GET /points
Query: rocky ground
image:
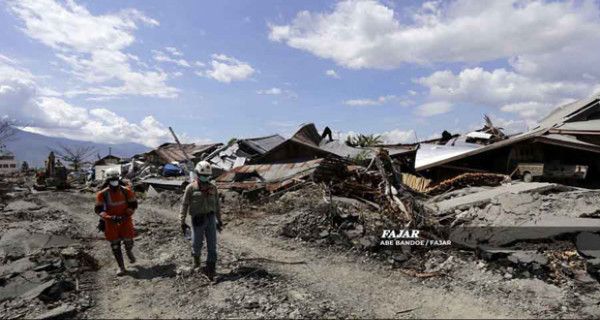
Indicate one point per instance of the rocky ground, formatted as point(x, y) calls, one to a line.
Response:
point(294, 257)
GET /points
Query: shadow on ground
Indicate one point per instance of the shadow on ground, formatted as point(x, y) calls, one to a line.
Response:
point(245, 272)
point(159, 271)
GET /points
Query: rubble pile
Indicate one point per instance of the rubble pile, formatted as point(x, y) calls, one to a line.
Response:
point(468, 179)
point(45, 270)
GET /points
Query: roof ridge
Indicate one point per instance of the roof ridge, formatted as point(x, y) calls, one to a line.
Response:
point(263, 137)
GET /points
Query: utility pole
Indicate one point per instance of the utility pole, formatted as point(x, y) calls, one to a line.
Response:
point(189, 162)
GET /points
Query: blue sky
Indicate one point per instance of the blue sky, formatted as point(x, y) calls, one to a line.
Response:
point(116, 71)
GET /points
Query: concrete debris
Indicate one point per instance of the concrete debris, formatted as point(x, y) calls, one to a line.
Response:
point(16, 243)
point(526, 258)
point(466, 180)
point(37, 291)
point(60, 312)
point(484, 197)
point(531, 235)
point(593, 267)
point(16, 267)
point(588, 244)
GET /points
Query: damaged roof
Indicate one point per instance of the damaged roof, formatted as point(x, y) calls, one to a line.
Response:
point(308, 134)
point(340, 148)
point(308, 144)
point(261, 145)
point(271, 176)
point(170, 152)
point(303, 145)
point(569, 112)
point(579, 117)
point(591, 127)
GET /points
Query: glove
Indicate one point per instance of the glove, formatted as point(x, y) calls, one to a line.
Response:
point(116, 219)
point(184, 228)
point(219, 225)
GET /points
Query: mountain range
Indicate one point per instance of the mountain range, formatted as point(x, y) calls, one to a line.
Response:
point(34, 148)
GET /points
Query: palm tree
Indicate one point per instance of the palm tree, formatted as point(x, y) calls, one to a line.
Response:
point(490, 128)
point(364, 140)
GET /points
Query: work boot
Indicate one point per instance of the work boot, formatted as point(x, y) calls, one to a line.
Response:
point(211, 268)
point(129, 250)
point(196, 262)
point(116, 249)
point(130, 256)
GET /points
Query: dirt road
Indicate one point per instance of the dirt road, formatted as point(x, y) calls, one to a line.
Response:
point(260, 275)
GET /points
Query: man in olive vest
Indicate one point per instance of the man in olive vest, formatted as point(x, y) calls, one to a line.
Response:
point(201, 202)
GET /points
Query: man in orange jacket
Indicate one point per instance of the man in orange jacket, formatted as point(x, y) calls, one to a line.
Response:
point(116, 204)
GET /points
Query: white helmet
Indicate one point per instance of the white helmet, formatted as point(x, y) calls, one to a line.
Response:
point(203, 168)
point(112, 174)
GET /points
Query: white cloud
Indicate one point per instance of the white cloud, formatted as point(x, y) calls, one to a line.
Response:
point(506, 90)
point(226, 69)
point(368, 34)
point(332, 74)
point(163, 57)
point(378, 101)
point(398, 136)
point(272, 91)
point(278, 92)
point(433, 108)
point(93, 46)
point(174, 51)
point(550, 48)
point(22, 100)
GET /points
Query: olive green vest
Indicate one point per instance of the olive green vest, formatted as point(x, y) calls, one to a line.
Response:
point(203, 202)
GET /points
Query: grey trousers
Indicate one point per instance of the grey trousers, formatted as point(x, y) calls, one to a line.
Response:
point(205, 227)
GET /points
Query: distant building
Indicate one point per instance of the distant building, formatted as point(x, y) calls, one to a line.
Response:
point(7, 162)
point(107, 160)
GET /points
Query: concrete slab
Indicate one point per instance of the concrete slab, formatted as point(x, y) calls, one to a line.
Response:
point(36, 291)
point(497, 236)
point(588, 244)
point(60, 312)
point(17, 243)
point(484, 197)
point(16, 267)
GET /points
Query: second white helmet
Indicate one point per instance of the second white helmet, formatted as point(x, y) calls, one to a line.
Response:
point(203, 168)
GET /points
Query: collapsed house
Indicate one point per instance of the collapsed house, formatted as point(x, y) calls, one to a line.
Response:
point(242, 151)
point(565, 145)
point(172, 152)
point(307, 144)
point(307, 156)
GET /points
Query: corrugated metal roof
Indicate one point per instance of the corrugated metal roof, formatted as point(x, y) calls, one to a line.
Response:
point(272, 176)
point(263, 144)
point(460, 154)
point(567, 111)
point(568, 141)
point(434, 153)
point(308, 134)
point(169, 152)
point(582, 127)
point(556, 119)
point(343, 150)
